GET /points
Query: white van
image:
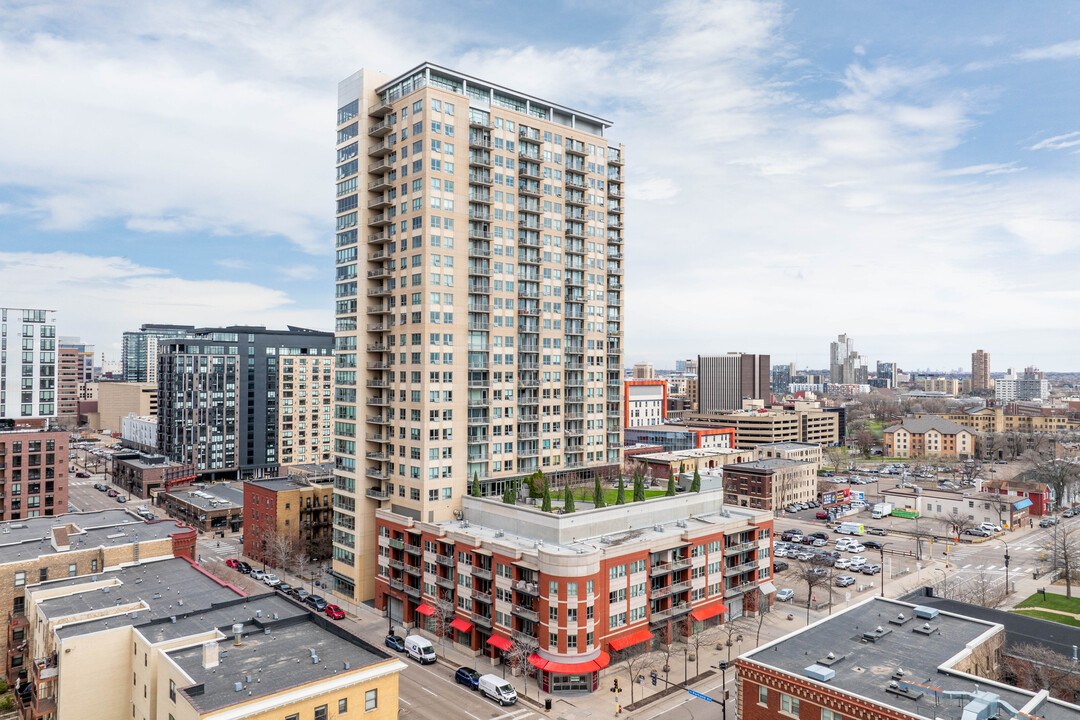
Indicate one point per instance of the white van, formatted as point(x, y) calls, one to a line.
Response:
point(851, 528)
point(497, 689)
point(420, 649)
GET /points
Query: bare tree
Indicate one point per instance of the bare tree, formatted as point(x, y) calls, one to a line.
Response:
point(1061, 475)
point(635, 662)
point(1066, 557)
point(813, 577)
point(955, 523)
point(865, 438)
point(444, 615)
point(698, 640)
point(520, 651)
point(1036, 667)
point(835, 455)
point(981, 589)
point(281, 549)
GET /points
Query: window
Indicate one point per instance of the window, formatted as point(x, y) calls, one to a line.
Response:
point(20, 579)
point(72, 570)
point(343, 706)
point(321, 713)
point(762, 695)
point(789, 704)
point(827, 714)
point(371, 700)
point(172, 690)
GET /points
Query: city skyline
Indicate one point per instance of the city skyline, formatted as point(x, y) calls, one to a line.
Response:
point(954, 144)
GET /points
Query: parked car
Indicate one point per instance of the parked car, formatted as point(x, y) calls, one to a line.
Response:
point(857, 562)
point(82, 474)
point(818, 571)
point(112, 493)
point(820, 535)
point(870, 569)
point(318, 602)
point(467, 676)
point(843, 564)
point(121, 499)
point(498, 689)
point(813, 503)
point(1048, 521)
point(419, 648)
point(301, 594)
point(844, 580)
point(820, 542)
point(991, 527)
point(285, 588)
point(395, 642)
point(243, 567)
point(258, 574)
point(271, 579)
point(1069, 513)
point(784, 594)
point(232, 562)
point(334, 612)
point(821, 515)
point(876, 531)
point(874, 544)
point(980, 532)
point(804, 556)
point(779, 566)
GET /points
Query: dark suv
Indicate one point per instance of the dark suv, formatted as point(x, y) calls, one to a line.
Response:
point(468, 676)
point(318, 602)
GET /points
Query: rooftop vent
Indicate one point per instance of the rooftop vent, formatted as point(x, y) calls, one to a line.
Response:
point(876, 634)
point(900, 619)
point(346, 664)
point(819, 673)
point(237, 687)
point(172, 619)
point(925, 629)
point(499, 533)
point(830, 659)
point(925, 612)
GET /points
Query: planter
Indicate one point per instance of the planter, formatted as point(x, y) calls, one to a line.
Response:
point(667, 669)
point(691, 657)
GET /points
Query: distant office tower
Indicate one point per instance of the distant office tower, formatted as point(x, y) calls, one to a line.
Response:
point(85, 357)
point(782, 377)
point(887, 371)
point(479, 298)
point(645, 401)
point(846, 367)
point(228, 402)
point(1029, 386)
point(28, 387)
point(680, 366)
point(140, 350)
point(644, 371)
point(725, 380)
point(980, 372)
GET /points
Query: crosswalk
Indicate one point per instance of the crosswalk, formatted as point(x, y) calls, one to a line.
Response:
point(972, 568)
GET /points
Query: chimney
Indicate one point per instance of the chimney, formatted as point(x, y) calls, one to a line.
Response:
point(210, 655)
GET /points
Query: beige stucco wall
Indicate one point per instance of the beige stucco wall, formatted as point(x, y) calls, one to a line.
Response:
point(95, 682)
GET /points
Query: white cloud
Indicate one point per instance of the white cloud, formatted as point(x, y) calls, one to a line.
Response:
point(1058, 142)
point(1068, 50)
point(98, 297)
point(304, 272)
point(984, 169)
point(233, 263)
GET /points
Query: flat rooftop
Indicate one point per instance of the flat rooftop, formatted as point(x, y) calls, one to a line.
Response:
point(676, 455)
point(278, 484)
point(768, 464)
point(865, 669)
point(218, 496)
point(789, 445)
point(23, 540)
point(276, 661)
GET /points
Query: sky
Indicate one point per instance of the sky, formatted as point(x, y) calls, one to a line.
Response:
point(905, 173)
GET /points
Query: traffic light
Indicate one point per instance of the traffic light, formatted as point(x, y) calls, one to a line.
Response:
point(653, 677)
point(615, 686)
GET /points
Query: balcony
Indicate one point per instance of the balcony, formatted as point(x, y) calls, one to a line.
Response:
point(381, 128)
point(667, 567)
point(527, 588)
point(380, 149)
point(615, 157)
point(383, 201)
point(412, 549)
point(376, 474)
point(445, 560)
point(446, 583)
point(379, 494)
point(379, 184)
point(378, 238)
point(531, 189)
point(477, 121)
point(575, 147)
point(397, 584)
point(381, 165)
point(377, 366)
point(480, 178)
point(480, 270)
point(481, 596)
point(481, 620)
point(413, 570)
point(480, 288)
point(673, 611)
point(378, 420)
point(524, 612)
point(482, 573)
point(479, 143)
point(478, 233)
point(480, 159)
point(397, 564)
point(477, 196)
point(741, 547)
point(523, 637)
point(739, 589)
point(671, 589)
point(413, 592)
point(480, 402)
point(378, 273)
point(380, 109)
point(379, 220)
point(740, 569)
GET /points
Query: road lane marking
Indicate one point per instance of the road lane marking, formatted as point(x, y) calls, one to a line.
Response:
point(966, 566)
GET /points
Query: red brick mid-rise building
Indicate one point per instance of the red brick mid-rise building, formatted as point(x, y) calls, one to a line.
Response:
point(888, 659)
point(572, 589)
point(33, 473)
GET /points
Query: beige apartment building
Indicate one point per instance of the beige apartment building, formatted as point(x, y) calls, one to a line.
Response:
point(479, 298)
point(117, 400)
point(995, 420)
point(305, 386)
point(761, 427)
point(193, 647)
point(67, 386)
point(949, 386)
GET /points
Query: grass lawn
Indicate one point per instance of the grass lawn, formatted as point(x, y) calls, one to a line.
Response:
point(1052, 602)
point(1052, 617)
point(877, 428)
point(585, 494)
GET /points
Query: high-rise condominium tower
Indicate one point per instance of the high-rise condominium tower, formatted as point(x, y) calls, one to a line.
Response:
point(479, 298)
point(980, 372)
point(725, 380)
point(28, 388)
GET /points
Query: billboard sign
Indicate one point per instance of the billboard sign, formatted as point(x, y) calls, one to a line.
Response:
point(835, 497)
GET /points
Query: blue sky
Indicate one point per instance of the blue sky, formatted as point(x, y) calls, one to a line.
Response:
point(902, 172)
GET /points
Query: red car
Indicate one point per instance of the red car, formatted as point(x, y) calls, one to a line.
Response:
point(232, 562)
point(822, 515)
point(335, 612)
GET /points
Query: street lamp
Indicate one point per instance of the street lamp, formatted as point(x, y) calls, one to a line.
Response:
point(723, 688)
point(1006, 565)
point(882, 551)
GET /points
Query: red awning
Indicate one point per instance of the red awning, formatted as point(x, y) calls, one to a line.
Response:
point(462, 625)
point(600, 662)
point(706, 613)
point(632, 639)
point(500, 642)
point(425, 609)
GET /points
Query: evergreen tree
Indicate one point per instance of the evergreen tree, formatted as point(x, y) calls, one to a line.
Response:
point(508, 495)
point(546, 504)
point(476, 484)
point(598, 494)
point(695, 486)
point(670, 483)
point(639, 488)
point(568, 499)
point(620, 498)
